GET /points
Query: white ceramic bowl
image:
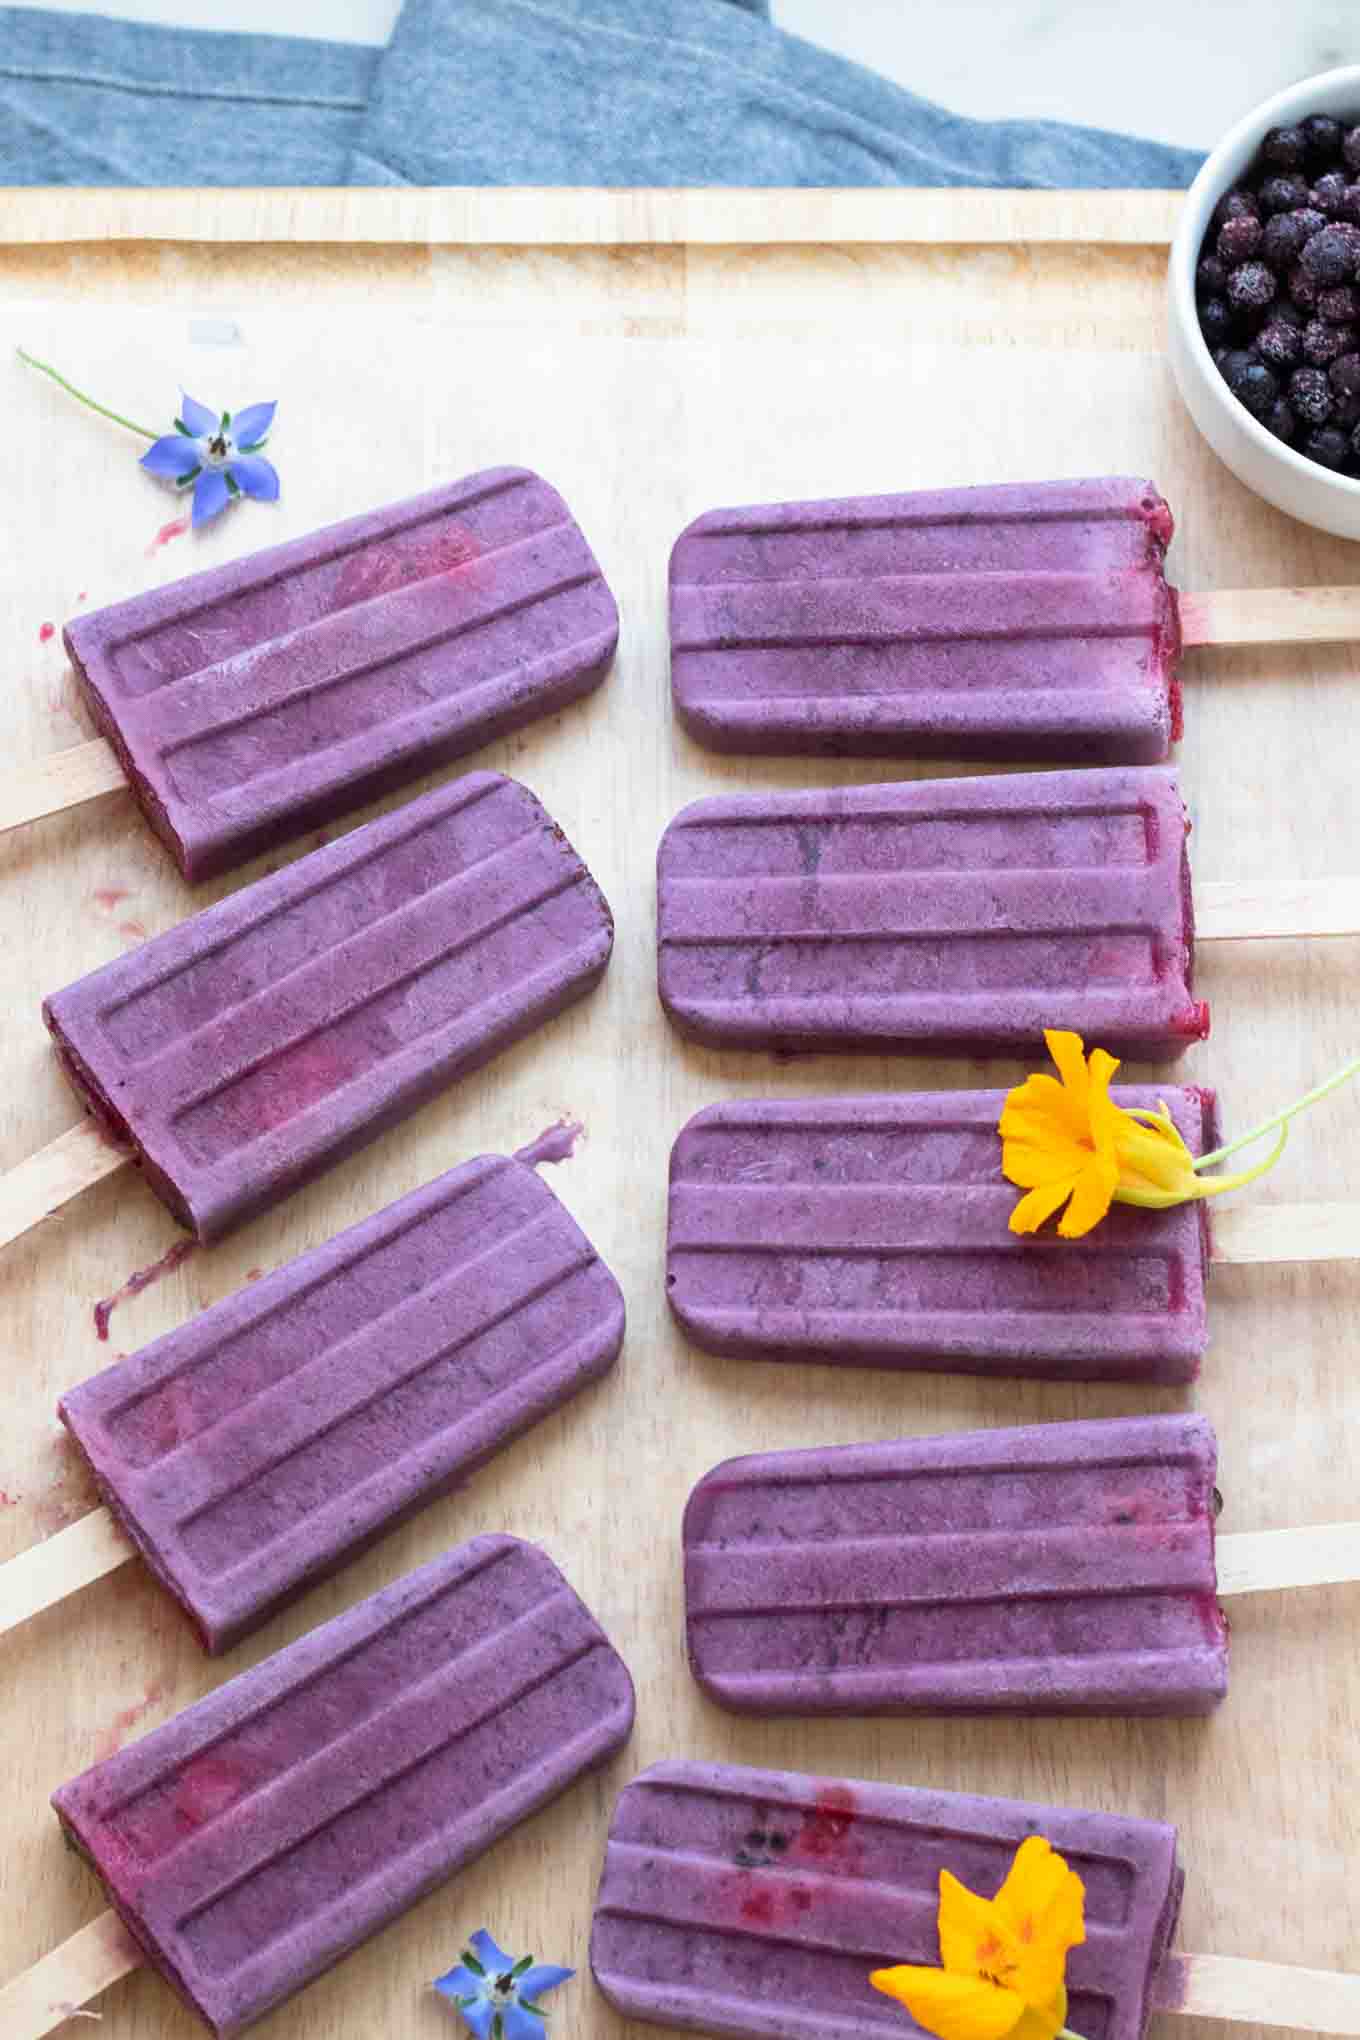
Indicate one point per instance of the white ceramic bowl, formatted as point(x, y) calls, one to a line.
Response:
point(1285, 478)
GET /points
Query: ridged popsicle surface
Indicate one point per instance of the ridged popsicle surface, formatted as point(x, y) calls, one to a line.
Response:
point(1019, 622)
point(874, 1231)
point(960, 916)
point(1050, 1569)
point(280, 691)
point(255, 1450)
point(271, 1035)
point(755, 1904)
point(274, 1826)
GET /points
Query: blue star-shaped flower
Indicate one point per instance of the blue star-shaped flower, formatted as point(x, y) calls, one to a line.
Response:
point(220, 455)
point(497, 1995)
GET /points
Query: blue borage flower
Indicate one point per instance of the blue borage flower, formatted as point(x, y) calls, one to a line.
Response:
point(497, 1995)
point(220, 456)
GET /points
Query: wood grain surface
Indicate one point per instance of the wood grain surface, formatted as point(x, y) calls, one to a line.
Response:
point(650, 383)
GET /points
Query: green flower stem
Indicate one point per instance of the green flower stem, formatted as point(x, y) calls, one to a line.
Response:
point(1333, 1083)
point(45, 368)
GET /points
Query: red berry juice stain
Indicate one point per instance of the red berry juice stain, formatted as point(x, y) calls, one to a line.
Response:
point(380, 569)
point(140, 1279)
point(83, 596)
point(46, 634)
point(556, 1143)
point(176, 528)
point(134, 931)
point(830, 1821)
point(7, 1500)
point(123, 1723)
point(254, 1274)
point(110, 896)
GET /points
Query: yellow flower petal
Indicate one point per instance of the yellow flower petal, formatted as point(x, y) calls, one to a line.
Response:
point(1041, 1203)
point(1042, 2022)
point(1042, 1904)
point(1066, 1051)
point(975, 1939)
point(954, 2007)
point(1092, 1197)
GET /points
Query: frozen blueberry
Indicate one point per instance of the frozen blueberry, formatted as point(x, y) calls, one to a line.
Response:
point(1251, 286)
point(1328, 193)
point(1322, 342)
point(1350, 149)
point(1328, 446)
point(1239, 203)
point(1290, 314)
point(1216, 322)
point(1282, 238)
point(1310, 396)
point(1328, 256)
point(1302, 288)
point(1276, 343)
point(1239, 239)
point(1211, 278)
point(1282, 194)
point(1285, 146)
point(1339, 303)
point(1322, 134)
point(1251, 382)
point(1346, 413)
point(1344, 375)
point(1350, 204)
point(1280, 420)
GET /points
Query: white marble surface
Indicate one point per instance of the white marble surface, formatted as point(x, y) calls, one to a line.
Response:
point(1179, 70)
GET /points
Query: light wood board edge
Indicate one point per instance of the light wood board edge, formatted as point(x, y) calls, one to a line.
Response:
point(569, 217)
point(1243, 1234)
point(49, 1993)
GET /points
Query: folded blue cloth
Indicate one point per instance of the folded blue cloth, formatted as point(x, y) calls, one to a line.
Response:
point(611, 92)
point(86, 100)
point(687, 92)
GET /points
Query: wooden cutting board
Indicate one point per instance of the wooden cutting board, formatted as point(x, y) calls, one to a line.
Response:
point(654, 355)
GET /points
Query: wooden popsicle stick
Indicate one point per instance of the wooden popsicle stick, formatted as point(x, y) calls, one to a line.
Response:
point(1241, 1234)
point(57, 1173)
point(1258, 1993)
point(1259, 1561)
point(67, 779)
point(76, 1556)
point(1271, 909)
point(49, 1993)
point(1271, 616)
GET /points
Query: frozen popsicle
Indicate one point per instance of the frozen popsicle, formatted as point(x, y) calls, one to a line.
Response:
point(1029, 621)
point(874, 1231)
point(755, 1904)
point(257, 1449)
point(267, 696)
point(1053, 1569)
point(268, 1830)
point(245, 1051)
point(954, 916)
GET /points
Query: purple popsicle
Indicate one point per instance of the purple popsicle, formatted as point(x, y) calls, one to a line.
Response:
point(1051, 1569)
point(275, 1033)
point(949, 916)
point(257, 1449)
point(874, 1231)
point(755, 1904)
point(1028, 621)
point(280, 691)
point(271, 1828)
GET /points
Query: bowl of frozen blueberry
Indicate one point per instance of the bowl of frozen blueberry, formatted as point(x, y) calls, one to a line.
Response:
point(1264, 323)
